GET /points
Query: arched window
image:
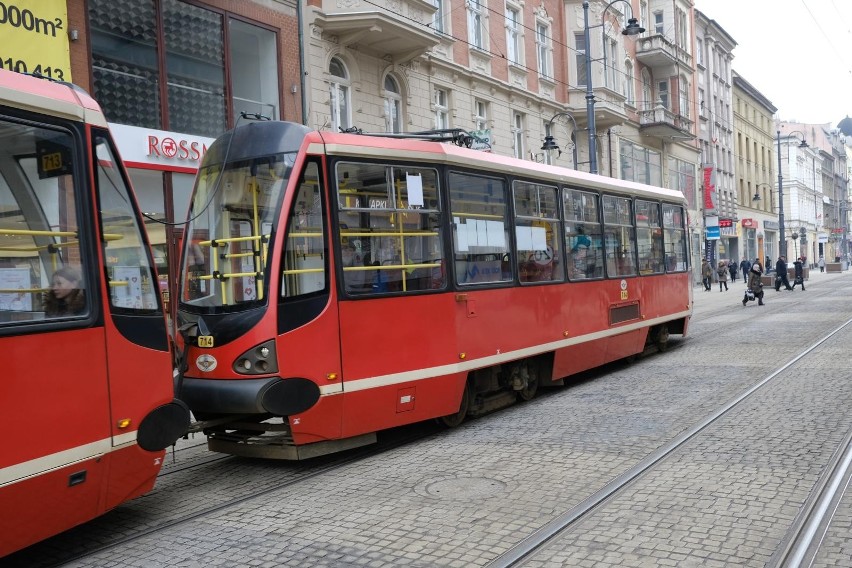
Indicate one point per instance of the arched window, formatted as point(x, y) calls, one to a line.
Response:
point(393, 105)
point(684, 96)
point(338, 95)
point(629, 78)
point(647, 92)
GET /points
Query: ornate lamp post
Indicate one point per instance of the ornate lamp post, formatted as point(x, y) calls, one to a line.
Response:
point(633, 28)
point(550, 144)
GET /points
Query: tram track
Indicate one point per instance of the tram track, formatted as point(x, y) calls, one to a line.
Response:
point(802, 539)
point(307, 472)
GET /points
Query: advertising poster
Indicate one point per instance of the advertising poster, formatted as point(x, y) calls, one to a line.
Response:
point(15, 279)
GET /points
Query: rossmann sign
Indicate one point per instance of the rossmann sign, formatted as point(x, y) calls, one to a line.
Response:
point(149, 149)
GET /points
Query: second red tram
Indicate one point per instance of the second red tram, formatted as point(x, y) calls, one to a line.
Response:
point(86, 394)
point(335, 284)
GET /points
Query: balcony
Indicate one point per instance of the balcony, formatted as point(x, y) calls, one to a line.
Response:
point(663, 123)
point(609, 107)
point(399, 33)
point(662, 55)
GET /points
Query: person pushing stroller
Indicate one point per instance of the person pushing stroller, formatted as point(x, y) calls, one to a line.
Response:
point(755, 285)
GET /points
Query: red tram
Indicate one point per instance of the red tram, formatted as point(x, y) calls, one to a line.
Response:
point(86, 391)
point(334, 285)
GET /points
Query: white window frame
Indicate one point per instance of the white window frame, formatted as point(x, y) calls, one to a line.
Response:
point(442, 108)
point(629, 80)
point(476, 20)
point(659, 23)
point(544, 49)
point(514, 36)
point(340, 103)
point(580, 58)
point(663, 93)
point(518, 134)
point(393, 104)
point(439, 17)
point(480, 119)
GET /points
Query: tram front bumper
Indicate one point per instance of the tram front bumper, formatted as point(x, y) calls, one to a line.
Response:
point(270, 395)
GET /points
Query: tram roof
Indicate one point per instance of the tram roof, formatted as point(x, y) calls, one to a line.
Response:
point(44, 96)
point(356, 145)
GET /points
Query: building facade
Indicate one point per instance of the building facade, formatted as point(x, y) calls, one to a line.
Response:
point(756, 172)
point(714, 53)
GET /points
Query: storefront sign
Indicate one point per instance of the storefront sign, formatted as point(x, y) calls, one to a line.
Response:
point(726, 223)
point(749, 224)
point(712, 233)
point(35, 38)
point(160, 150)
point(709, 172)
point(772, 225)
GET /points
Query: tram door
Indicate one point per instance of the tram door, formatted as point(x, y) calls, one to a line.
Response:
point(53, 388)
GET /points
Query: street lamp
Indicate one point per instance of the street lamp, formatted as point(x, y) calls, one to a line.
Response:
point(633, 28)
point(782, 243)
point(550, 144)
point(756, 196)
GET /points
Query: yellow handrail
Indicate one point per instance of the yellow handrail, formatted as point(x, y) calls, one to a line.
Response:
point(30, 233)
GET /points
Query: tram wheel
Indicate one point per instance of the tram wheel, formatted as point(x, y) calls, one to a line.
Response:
point(453, 420)
point(529, 391)
point(662, 338)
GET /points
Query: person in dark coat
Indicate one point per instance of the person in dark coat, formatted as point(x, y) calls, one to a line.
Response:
point(745, 266)
point(799, 273)
point(754, 283)
point(781, 274)
point(732, 268)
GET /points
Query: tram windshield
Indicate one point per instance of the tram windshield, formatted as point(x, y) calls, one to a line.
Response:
point(227, 240)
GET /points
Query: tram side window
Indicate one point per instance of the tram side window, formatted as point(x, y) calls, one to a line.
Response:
point(41, 265)
point(649, 237)
point(619, 237)
point(676, 257)
point(132, 285)
point(480, 229)
point(305, 250)
point(583, 234)
point(390, 228)
point(537, 233)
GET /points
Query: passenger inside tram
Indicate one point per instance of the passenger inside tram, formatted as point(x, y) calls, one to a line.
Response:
point(65, 296)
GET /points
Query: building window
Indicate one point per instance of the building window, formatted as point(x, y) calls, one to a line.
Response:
point(542, 40)
point(438, 18)
point(699, 51)
point(254, 69)
point(647, 91)
point(682, 29)
point(629, 78)
point(481, 119)
point(442, 109)
point(643, 15)
point(518, 134)
point(339, 95)
point(393, 105)
point(640, 164)
point(663, 93)
point(476, 23)
point(127, 75)
point(682, 178)
point(658, 23)
point(612, 75)
point(513, 35)
point(580, 59)
point(683, 91)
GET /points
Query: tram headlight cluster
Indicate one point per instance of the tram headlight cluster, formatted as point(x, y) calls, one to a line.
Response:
point(258, 360)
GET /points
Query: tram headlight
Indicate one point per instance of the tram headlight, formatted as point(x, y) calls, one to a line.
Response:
point(258, 360)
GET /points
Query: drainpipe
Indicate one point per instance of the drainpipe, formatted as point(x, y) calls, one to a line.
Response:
point(609, 145)
point(302, 72)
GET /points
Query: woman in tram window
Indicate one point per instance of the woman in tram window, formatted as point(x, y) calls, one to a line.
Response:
point(66, 296)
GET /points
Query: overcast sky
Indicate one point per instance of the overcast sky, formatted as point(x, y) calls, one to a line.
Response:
point(798, 53)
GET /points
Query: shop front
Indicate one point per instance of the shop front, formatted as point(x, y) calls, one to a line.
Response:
point(162, 167)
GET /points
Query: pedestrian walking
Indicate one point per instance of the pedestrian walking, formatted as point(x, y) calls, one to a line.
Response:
point(755, 285)
point(781, 274)
point(799, 273)
point(821, 263)
point(722, 271)
point(745, 266)
point(706, 274)
point(732, 268)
